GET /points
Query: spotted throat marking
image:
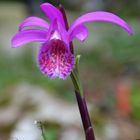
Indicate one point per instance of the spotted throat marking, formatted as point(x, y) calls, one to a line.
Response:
point(56, 59)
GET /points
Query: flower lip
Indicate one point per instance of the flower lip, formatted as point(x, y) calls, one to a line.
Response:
point(56, 59)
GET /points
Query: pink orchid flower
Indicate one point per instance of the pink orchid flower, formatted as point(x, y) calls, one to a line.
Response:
point(55, 57)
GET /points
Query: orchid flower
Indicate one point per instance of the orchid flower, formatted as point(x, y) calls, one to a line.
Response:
point(55, 58)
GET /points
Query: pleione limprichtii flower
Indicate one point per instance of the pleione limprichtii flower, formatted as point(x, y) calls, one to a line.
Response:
point(55, 58)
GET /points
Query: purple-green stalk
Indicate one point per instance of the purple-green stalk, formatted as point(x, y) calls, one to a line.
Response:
point(89, 132)
point(88, 129)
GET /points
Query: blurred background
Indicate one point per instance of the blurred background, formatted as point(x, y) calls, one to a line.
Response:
point(109, 68)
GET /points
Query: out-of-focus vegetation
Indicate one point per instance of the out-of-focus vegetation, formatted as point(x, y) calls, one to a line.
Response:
point(128, 8)
point(113, 57)
point(24, 69)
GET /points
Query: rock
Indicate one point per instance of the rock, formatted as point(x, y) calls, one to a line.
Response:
point(48, 107)
point(33, 103)
point(25, 130)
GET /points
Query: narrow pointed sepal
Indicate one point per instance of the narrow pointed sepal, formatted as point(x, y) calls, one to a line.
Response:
point(99, 16)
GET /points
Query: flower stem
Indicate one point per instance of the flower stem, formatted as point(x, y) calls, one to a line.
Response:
point(42, 130)
point(88, 129)
point(62, 10)
point(89, 133)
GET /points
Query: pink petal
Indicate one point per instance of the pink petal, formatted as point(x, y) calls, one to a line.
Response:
point(27, 36)
point(63, 32)
point(53, 27)
point(102, 17)
point(80, 33)
point(56, 26)
point(56, 59)
point(52, 12)
point(34, 21)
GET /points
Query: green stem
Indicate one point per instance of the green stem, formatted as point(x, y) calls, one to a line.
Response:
point(88, 129)
point(76, 78)
point(42, 130)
